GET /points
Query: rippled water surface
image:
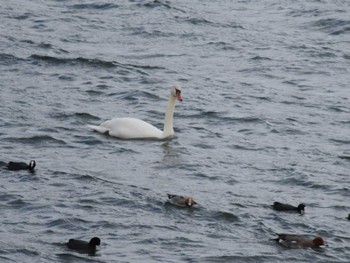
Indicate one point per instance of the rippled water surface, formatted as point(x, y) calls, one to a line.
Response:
point(265, 117)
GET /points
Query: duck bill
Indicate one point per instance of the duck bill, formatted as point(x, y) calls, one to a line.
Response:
point(191, 203)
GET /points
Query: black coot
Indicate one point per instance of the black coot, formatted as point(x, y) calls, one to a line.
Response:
point(84, 246)
point(16, 166)
point(286, 207)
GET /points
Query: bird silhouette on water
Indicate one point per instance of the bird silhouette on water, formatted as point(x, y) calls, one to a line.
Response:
point(299, 241)
point(84, 246)
point(17, 166)
point(288, 208)
point(182, 201)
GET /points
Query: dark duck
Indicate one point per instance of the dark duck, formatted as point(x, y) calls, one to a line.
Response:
point(84, 246)
point(17, 166)
point(288, 208)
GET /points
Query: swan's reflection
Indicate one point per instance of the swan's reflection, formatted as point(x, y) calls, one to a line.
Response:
point(172, 155)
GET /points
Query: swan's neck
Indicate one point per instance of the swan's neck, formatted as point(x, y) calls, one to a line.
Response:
point(168, 129)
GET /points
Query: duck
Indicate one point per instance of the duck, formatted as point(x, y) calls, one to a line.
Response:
point(300, 241)
point(16, 166)
point(287, 207)
point(84, 246)
point(132, 128)
point(348, 217)
point(181, 201)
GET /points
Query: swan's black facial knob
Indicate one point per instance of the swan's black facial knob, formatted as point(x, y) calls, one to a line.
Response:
point(178, 95)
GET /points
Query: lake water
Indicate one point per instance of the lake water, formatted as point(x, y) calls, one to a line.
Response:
point(265, 117)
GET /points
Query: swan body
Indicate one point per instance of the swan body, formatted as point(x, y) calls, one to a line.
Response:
point(132, 128)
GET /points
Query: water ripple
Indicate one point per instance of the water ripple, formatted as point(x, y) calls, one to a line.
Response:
point(96, 63)
point(264, 118)
point(36, 140)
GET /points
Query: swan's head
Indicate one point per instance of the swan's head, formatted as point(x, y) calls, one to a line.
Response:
point(176, 92)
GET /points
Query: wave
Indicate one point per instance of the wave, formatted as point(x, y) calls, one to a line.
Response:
point(339, 141)
point(97, 6)
point(246, 148)
point(156, 3)
point(225, 216)
point(160, 4)
point(96, 63)
point(38, 139)
point(333, 26)
point(83, 116)
point(346, 157)
point(241, 258)
point(198, 21)
point(8, 59)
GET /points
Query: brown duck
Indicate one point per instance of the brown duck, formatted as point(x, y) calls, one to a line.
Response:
point(300, 241)
point(182, 201)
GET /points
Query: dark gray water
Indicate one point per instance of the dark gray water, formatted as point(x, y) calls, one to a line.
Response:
point(265, 118)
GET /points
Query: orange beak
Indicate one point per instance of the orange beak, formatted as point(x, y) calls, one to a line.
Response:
point(178, 95)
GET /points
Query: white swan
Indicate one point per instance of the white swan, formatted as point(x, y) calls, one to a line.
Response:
point(131, 128)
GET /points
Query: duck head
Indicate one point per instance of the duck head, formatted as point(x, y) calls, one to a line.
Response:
point(190, 201)
point(301, 208)
point(319, 241)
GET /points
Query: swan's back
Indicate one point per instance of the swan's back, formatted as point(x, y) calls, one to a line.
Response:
point(131, 128)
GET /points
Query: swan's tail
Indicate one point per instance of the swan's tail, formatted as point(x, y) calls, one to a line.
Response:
point(99, 128)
